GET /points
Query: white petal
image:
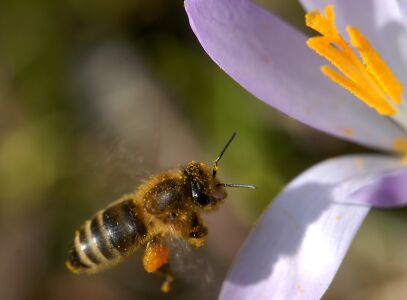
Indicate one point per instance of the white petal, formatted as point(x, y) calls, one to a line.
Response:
point(298, 245)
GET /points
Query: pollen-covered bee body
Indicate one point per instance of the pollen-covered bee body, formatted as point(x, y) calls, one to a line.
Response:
point(162, 192)
point(168, 204)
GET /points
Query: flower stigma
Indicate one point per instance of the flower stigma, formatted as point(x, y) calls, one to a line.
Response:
point(366, 75)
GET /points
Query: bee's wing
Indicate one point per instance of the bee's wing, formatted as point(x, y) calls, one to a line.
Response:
point(187, 262)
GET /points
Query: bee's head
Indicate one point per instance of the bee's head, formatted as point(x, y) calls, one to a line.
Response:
point(206, 190)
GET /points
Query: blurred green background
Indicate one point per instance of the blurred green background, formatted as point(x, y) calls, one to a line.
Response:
point(95, 96)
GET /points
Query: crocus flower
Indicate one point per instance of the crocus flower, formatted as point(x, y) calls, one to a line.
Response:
point(300, 241)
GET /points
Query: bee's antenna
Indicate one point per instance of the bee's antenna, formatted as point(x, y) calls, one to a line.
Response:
point(215, 163)
point(247, 186)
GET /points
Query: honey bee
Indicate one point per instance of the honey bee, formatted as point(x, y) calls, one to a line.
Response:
point(169, 204)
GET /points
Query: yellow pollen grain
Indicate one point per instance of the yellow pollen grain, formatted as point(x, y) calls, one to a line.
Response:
point(360, 163)
point(348, 132)
point(400, 145)
point(368, 78)
point(300, 289)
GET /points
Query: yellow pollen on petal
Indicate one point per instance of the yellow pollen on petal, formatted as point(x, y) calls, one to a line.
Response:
point(368, 77)
point(346, 131)
point(400, 145)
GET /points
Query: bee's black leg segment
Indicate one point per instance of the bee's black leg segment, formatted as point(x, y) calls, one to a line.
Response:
point(198, 229)
point(166, 271)
point(197, 236)
point(198, 232)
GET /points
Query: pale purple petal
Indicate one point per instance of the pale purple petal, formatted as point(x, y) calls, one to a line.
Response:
point(271, 60)
point(403, 8)
point(300, 241)
point(387, 191)
point(381, 21)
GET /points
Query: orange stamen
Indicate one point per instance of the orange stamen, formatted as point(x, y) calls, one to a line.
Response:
point(368, 78)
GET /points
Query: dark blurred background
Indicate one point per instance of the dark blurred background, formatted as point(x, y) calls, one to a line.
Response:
point(95, 96)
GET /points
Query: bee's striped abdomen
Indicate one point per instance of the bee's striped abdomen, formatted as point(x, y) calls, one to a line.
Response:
point(107, 238)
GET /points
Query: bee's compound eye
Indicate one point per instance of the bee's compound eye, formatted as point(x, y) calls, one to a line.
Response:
point(203, 199)
point(200, 197)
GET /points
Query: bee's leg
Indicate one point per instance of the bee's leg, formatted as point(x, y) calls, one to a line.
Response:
point(166, 271)
point(156, 259)
point(198, 233)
